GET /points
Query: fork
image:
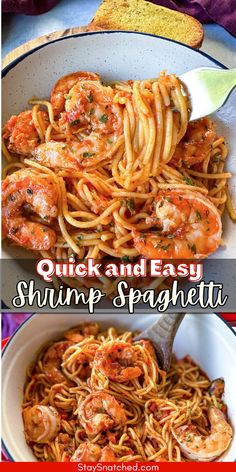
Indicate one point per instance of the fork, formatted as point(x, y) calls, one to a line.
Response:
point(208, 88)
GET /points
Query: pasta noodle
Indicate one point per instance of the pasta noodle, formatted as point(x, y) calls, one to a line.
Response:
point(72, 373)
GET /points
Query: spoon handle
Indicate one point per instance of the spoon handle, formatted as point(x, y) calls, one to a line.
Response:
point(162, 334)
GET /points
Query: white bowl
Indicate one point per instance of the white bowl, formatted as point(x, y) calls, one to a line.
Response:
point(207, 338)
point(114, 55)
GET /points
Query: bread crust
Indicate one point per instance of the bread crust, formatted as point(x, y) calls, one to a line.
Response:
point(134, 15)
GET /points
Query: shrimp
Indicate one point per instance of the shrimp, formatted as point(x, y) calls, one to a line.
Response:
point(107, 455)
point(25, 193)
point(196, 143)
point(188, 226)
point(52, 361)
point(116, 360)
point(205, 448)
point(217, 388)
point(42, 423)
point(78, 333)
point(21, 134)
point(89, 452)
point(90, 105)
point(64, 84)
point(101, 412)
point(75, 155)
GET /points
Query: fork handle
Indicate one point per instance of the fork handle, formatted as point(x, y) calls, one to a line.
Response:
point(162, 334)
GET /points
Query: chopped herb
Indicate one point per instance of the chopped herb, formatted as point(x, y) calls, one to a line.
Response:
point(29, 191)
point(75, 122)
point(110, 141)
point(91, 112)
point(80, 237)
point(130, 205)
point(45, 230)
point(103, 118)
point(88, 154)
point(170, 236)
point(125, 259)
point(83, 86)
point(90, 97)
point(165, 247)
point(72, 150)
point(198, 214)
point(192, 248)
point(68, 97)
point(188, 181)
point(11, 198)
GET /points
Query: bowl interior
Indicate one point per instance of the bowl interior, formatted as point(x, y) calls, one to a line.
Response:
point(206, 338)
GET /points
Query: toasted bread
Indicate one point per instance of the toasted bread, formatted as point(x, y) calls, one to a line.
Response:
point(143, 16)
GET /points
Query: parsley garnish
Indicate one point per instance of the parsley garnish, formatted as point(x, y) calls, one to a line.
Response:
point(75, 122)
point(88, 154)
point(192, 248)
point(91, 112)
point(130, 205)
point(188, 181)
point(125, 259)
point(198, 214)
point(103, 118)
point(29, 191)
point(90, 97)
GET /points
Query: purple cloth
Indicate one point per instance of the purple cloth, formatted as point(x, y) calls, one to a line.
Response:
point(11, 321)
point(28, 7)
point(222, 12)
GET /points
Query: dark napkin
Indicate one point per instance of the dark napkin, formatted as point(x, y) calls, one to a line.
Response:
point(11, 321)
point(222, 12)
point(28, 7)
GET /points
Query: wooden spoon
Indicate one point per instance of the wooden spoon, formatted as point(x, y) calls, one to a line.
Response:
point(162, 334)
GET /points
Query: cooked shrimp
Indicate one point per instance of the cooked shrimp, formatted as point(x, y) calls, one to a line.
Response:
point(64, 84)
point(52, 361)
point(86, 452)
point(117, 361)
point(107, 455)
point(74, 155)
point(42, 423)
point(101, 412)
point(25, 193)
point(217, 388)
point(205, 448)
point(196, 143)
point(89, 452)
point(21, 134)
point(78, 333)
point(91, 105)
point(187, 224)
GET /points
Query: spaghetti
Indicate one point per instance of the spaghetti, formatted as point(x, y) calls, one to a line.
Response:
point(99, 395)
point(117, 155)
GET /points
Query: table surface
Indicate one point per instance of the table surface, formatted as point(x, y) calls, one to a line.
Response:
point(18, 29)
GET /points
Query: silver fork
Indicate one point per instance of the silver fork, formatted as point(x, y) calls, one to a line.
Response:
point(209, 88)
